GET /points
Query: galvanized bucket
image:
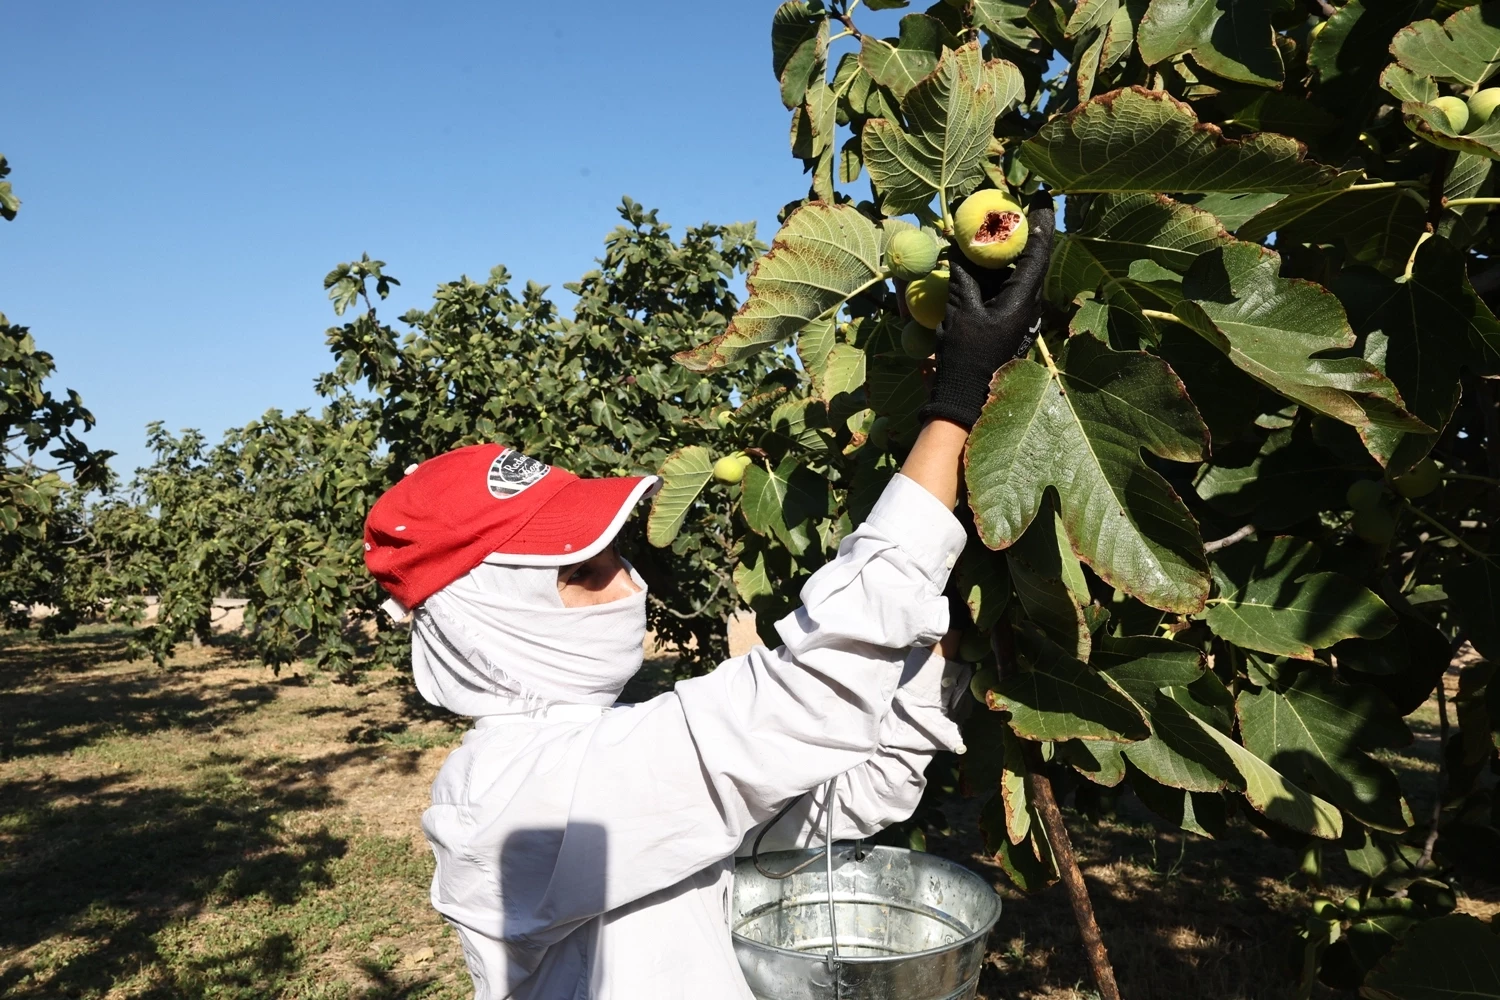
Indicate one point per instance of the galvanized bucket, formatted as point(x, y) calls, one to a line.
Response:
point(910, 926)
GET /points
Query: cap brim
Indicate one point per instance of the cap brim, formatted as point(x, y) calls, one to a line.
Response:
point(577, 523)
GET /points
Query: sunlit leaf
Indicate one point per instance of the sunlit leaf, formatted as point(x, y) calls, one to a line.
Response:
point(684, 474)
point(822, 257)
point(1081, 431)
point(1137, 140)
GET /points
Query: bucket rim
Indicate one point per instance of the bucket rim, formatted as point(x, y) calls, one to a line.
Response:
point(979, 932)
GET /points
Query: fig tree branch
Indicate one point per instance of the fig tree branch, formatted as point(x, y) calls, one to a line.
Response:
point(1238, 535)
point(1422, 515)
point(1442, 701)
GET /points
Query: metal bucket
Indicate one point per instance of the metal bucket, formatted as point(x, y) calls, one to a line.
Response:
point(911, 926)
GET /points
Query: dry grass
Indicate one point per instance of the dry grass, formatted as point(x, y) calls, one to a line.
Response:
point(213, 831)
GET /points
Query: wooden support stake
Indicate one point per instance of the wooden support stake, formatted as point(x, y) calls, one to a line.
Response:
point(1040, 788)
point(1072, 877)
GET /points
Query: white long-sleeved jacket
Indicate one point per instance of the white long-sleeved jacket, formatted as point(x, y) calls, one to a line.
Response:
point(587, 853)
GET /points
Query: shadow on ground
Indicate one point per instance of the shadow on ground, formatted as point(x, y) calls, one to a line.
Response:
point(53, 700)
point(123, 883)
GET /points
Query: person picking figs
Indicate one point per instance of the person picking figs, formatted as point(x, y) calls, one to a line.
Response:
point(584, 848)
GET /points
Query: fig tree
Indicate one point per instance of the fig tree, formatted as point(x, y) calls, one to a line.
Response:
point(918, 341)
point(927, 299)
point(1420, 480)
point(990, 228)
point(1455, 110)
point(1482, 104)
point(911, 254)
point(728, 470)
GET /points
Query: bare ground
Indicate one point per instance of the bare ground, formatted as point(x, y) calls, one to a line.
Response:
point(212, 830)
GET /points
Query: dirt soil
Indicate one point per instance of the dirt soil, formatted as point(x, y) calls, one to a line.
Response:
point(212, 830)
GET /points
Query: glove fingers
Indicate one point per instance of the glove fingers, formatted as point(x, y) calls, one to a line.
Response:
point(1024, 285)
point(964, 293)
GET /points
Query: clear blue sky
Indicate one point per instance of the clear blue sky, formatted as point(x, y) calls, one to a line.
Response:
point(190, 171)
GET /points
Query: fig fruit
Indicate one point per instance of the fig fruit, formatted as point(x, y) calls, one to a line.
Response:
point(880, 432)
point(1455, 110)
point(918, 341)
point(927, 299)
point(911, 254)
point(989, 228)
point(1482, 104)
point(1364, 495)
point(1374, 524)
point(728, 470)
point(725, 418)
point(1420, 480)
point(973, 645)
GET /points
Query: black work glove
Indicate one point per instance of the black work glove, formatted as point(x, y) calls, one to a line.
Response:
point(993, 316)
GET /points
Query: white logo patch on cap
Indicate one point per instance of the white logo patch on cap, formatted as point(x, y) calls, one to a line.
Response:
point(512, 472)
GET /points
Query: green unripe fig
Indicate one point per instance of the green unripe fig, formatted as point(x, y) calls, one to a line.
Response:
point(911, 254)
point(1352, 906)
point(1482, 104)
point(1365, 494)
point(989, 228)
point(744, 460)
point(1324, 909)
point(918, 341)
point(927, 299)
point(983, 680)
point(1433, 894)
point(1374, 524)
point(725, 418)
point(1455, 110)
point(973, 645)
point(728, 470)
point(1420, 480)
point(880, 432)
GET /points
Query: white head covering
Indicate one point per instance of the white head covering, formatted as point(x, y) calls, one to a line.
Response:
point(498, 641)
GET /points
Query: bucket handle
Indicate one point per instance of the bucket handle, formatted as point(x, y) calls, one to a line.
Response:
point(832, 958)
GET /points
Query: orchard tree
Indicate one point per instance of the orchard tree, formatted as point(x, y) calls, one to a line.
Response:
point(274, 512)
point(1232, 516)
point(45, 472)
point(596, 393)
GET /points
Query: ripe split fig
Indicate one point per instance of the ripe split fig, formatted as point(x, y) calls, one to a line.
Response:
point(911, 254)
point(989, 228)
point(927, 299)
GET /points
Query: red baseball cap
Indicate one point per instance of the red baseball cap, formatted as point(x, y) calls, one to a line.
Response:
point(489, 502)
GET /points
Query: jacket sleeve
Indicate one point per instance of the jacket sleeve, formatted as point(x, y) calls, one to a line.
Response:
point(534, 838)
point(887, 787)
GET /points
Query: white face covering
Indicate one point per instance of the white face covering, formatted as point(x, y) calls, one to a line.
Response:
point(499, 641)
